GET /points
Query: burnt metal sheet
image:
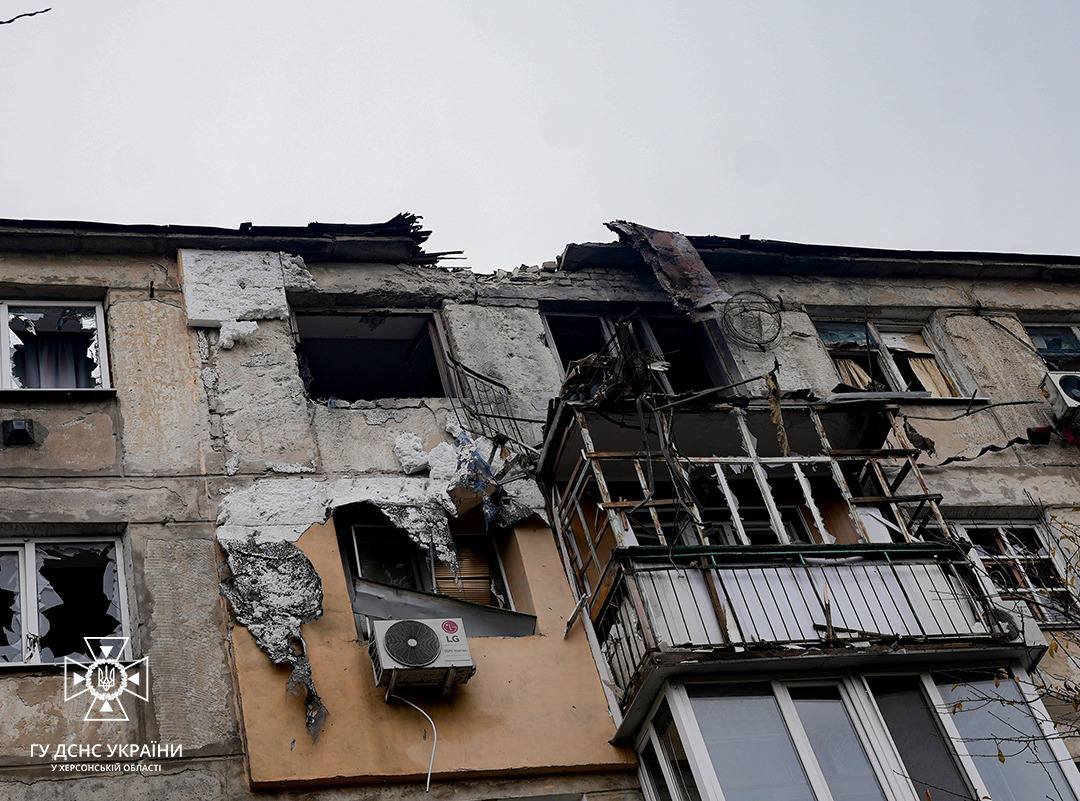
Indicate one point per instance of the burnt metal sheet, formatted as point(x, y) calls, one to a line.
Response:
point(383, 602)
point(675, 262)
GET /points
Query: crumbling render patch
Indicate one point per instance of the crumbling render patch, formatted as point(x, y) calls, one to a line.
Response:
point(234, 331)
point(409, 450)
point(273, 591)
point(239, 285)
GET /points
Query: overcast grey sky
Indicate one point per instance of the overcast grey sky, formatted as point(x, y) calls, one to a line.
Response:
point(515, 128)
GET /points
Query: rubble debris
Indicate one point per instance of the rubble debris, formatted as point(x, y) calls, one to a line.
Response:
point(409, 450)
point(427, 526)
point(233, 332)
point(273, 590)
point(677, 266)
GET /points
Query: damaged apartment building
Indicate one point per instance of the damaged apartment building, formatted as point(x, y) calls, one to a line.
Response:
point(669, 518)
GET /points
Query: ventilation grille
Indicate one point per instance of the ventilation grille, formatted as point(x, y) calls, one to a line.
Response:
point(411, 643)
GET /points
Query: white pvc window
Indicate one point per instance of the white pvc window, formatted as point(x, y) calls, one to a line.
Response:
point(853, 738)
point(56, 591)
point(52, 345)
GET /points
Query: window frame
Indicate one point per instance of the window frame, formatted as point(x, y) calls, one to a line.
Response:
point(28, 591)
point(440, 343)
point(1014, 562)
point(1043, 354)
point(866, 719)
point(6, 382)
point(884, 358)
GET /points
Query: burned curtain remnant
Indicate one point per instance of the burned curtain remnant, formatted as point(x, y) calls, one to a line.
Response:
point(10, 608)
point(676, 263)
point(54, 347)
point(273, 591)
point(78, 596)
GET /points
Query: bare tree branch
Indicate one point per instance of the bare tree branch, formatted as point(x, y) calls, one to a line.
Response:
point(20, 16)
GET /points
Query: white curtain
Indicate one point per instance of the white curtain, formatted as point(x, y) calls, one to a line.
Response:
point(54, 360)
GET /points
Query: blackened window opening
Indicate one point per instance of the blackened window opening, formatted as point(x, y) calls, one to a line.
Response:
point(354, 357)
point(685, 345)
point(576, 336)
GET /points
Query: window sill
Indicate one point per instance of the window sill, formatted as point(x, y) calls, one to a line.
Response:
point(28, 669)
point(920, 398)
point(9, 395)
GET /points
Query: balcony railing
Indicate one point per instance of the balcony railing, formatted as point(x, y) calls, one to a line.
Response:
point(665, 607)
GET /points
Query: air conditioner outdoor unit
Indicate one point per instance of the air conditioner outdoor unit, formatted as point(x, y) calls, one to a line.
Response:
point(1063, 390)
point(430, 653)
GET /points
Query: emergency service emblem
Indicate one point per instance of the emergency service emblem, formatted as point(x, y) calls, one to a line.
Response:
point(106, 679)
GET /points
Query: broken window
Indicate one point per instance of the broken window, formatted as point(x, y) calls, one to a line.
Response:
point(384, 554)
point(1058, 345)
point(686, 349)
point(1021, 567)
point(353, 357)
point(52, 345)
point(55, 593)
point(877, 358)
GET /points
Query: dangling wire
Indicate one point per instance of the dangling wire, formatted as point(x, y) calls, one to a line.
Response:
point(434, 738)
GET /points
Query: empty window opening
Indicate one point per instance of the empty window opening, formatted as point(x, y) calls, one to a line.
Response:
point(78, 594)
point(576, 336)
point(55, 593)
point(875, 358)
point(384, 554)
point(1058, 345)
point(47, 345)
point(369, 356)
point(693, 363)
point(688, 350)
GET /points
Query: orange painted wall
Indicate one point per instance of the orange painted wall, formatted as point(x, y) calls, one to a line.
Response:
point(535, 704)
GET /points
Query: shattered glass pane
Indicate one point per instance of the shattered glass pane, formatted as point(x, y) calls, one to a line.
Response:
point(10, 608)
point(78, 596)
point(850, 334)
point(1054, 338)
point(54, 347)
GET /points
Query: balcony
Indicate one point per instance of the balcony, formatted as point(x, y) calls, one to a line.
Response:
point(712, 609)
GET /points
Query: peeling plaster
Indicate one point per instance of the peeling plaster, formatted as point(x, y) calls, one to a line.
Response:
point(273, 591)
